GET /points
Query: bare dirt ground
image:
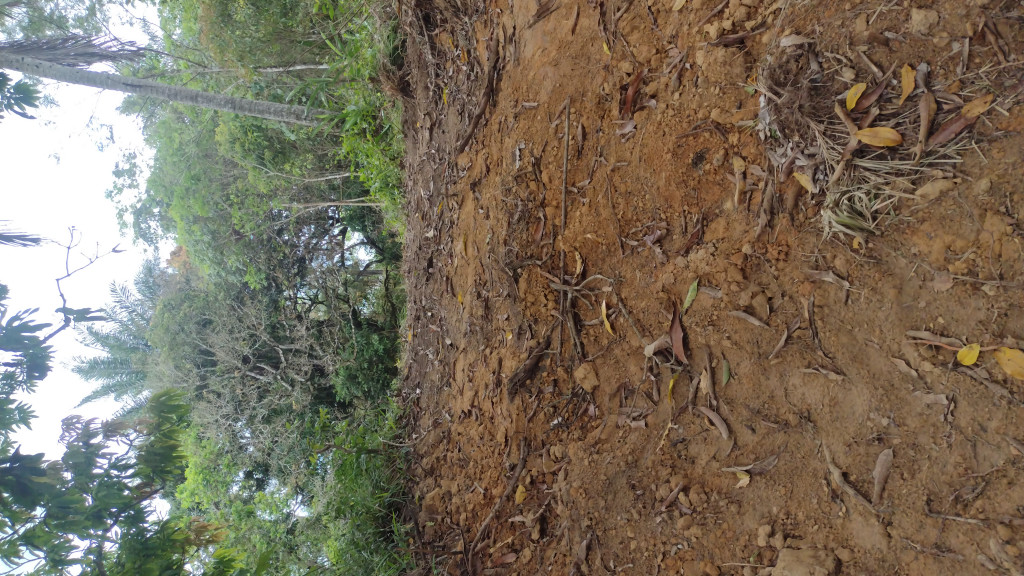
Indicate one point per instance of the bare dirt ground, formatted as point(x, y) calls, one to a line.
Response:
point(545, 441)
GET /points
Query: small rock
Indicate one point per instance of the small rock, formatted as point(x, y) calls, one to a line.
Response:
point(983, 186)
point(698, 497)
point(807, 562)
point(778, 541)
point(1004, 532)
point(763, 533)
point(847, 73)
point(923, 20)
point(684, 523)
point(1012, 550)
point(586, 377)
point(845, 555)
point(860, 25)
point(709, 568)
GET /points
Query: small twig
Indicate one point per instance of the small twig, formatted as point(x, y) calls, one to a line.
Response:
point(932, 551)
point(713, 13)
point(561, 237)
point(974, 521)
point(485, 98)
point(475, 546)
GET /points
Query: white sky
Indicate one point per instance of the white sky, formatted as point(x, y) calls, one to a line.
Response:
point(53, 177)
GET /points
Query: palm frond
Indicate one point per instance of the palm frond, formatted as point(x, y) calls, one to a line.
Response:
point(76, 51)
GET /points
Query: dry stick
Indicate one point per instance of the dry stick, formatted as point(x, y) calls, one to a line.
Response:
point(615, 216)
point(511, 486)
point(565, 187)
point(713, 13)
point(485, 99)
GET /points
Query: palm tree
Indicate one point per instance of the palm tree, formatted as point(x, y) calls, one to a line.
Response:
point(122, 368)
point(65, 60)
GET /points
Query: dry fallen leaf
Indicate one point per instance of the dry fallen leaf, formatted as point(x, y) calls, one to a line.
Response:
point(743, 315)
point(604, 316)
point(968, 354)
point(804, 181)
point(507, 558)
point(881, 474)
point(658, 345)
point(907, 75)
point(675, 332)
point(950, 129)
point(520, 494)
point(943, 281)
point(854, 94)
point(678, 5)
point(716, 420)
point(879, 136)
point(744, 479)
point(1012, 361)
point(976, 107)
point(691, 295)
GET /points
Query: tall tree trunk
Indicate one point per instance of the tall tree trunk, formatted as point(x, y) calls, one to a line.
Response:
point(105, 81)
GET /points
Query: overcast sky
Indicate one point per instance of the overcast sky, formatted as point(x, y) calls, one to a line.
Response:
point(53, 176)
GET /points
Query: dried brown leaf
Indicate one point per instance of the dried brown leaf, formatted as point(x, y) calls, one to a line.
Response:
point(716, 420)
point(840, 480)
point(504, 559)
point(976, 107)
point(925, 335)
point(881, 475)
point(903, 367)
point(1011, 361)
point(1016, 444)
point(743, 315)
point(631, 92)
point(675, 332)
point(658, 345)
point(865, 101)
point(856, 91)
point(950, 129)
point(785, 336)
point(907, 80)
point(930, 398)
point(757, 468)
point(926, 109)
point(879, 136)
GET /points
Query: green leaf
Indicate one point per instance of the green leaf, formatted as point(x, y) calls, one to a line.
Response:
point(691, 295)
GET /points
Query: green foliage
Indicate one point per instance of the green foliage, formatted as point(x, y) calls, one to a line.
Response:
point(17, 97)
point(277, 320)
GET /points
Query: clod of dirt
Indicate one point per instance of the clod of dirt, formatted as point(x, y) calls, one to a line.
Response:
point(922, 21)
point(763, 533)
point(808, 562)
point(586, 377)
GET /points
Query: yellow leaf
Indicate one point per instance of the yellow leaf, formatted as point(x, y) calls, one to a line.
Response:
point(604, 316)
point(857, 243)
point(879, 136)
point(508, 335)
point(410, 335)
point(460, 297)
point(854, 94)
point(907, 79)
point(744, 479)
point(606, 50)
point(678, 5)
point(444, 96)
point(671, 385)
point(1012, 361)
point(520, 494)
point(968, 354)
point(804, 181)
point(976, 107)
